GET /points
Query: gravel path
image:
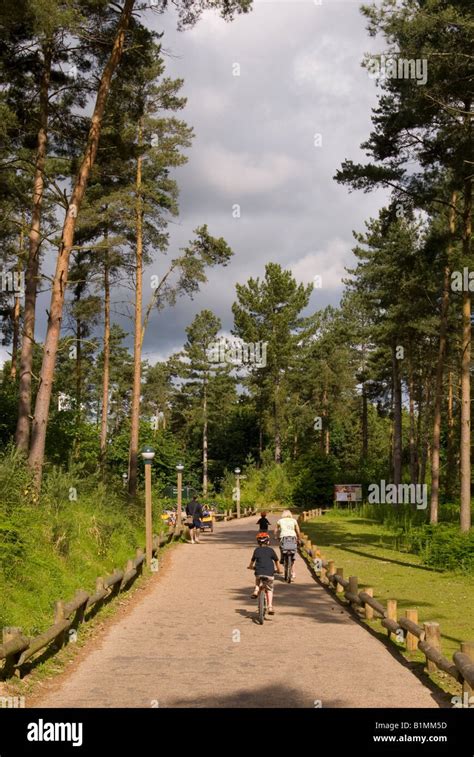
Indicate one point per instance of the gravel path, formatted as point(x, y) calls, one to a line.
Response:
point(192, 642)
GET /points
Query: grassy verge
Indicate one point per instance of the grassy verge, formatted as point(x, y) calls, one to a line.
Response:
point(365, 549)
point(50, 548)
point(53, 664)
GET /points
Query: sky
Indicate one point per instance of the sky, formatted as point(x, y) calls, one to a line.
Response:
point(277, 99)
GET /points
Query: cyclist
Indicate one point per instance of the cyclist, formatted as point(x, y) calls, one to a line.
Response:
point(288, 533)
point(265, 561)
point(263, 522)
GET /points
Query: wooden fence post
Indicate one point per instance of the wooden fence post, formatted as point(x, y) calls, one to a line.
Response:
point(391, 612)
point(9, 633)
point(411, 640)
point(467, 647)
point(433, 639)
point(58, 617)
point(353, 588)
point(80, 612)
point(339, 588)
point(331, 569)
point(369, 611)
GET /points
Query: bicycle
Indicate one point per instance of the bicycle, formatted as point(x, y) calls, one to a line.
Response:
point(288, 559)
point(262, 598)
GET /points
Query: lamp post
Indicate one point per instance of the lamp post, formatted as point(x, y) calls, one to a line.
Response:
point(179, 518)
point(148, 454)
point(124, 479)
point(237, 490)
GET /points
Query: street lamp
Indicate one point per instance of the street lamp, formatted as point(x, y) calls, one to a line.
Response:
point(237, 490)
point(148, 453)
point(179, 468)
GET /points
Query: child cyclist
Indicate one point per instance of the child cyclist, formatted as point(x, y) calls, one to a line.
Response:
point(263, 522)
point(265, 561)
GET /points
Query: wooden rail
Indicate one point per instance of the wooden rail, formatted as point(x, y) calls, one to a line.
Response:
point(426, 638)
point(16, 649)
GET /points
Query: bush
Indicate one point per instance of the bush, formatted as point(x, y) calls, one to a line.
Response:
point(444, 547)
point(314, 480)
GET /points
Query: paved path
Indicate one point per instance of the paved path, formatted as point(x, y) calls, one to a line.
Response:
point(177, 646)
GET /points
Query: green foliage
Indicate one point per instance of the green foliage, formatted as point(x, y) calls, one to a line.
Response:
point(443, 547)
point(315, 474)
point(440, 546)
point(267, 486)
point(49, 550)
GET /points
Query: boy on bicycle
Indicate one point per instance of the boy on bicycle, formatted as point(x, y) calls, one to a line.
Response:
point(265, 562)
point(263, 522)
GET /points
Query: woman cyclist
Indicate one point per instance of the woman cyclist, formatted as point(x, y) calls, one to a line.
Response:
point(288, 532)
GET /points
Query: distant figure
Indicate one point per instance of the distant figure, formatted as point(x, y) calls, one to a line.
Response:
point(263, 522)
point(195, 513)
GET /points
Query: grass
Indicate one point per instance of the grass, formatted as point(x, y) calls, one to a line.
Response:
point(366, 549)
point(51, 548)
point(51, 665)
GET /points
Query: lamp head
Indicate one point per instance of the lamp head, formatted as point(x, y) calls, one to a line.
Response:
point(148, 453)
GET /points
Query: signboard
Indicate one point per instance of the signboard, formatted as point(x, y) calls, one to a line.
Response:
point(348, 492)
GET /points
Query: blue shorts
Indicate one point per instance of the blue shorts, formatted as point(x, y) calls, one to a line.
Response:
point(195, 524)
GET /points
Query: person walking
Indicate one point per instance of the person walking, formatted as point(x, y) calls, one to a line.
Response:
point(194, 512)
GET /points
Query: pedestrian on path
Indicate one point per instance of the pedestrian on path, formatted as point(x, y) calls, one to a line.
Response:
point(195, 513)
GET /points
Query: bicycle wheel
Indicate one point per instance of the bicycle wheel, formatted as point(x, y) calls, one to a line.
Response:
point(288, 568)
point(261, 605)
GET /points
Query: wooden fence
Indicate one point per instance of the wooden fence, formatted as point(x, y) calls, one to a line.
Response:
point(16, 649)
point(425, 637)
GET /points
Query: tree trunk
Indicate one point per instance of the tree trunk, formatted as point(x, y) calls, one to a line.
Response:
point(365, 425)
point(419, 424)
point(411, 400)
point(106, 352)
point(465, 452)
point(78, 368)
point(204, 443)
point(435, 469)
point(137, 351)
point(325, 428)
point(22, 436)
point(17, 306)
point(43, 397)
point(450, 456)
point(425, 452)
point(276, 415)
point(397, 420)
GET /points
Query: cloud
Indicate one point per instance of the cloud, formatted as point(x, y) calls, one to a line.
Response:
point(328, 262)
point(254, 145)
point(242, 173)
